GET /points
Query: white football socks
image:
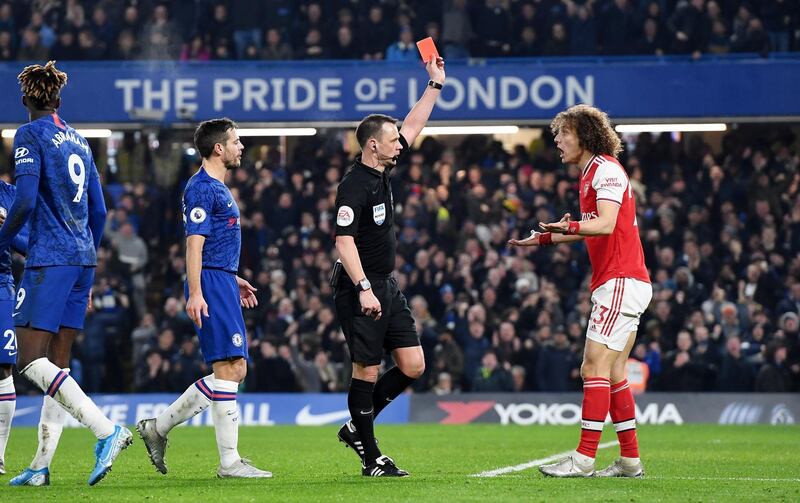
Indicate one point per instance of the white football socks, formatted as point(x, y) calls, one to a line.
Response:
point(8, 402)
point(226, 421)
point(193, 401)
point(51, 424)
point(63, 388)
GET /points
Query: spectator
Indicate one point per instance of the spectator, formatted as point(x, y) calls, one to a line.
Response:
point(556, 365)
point(90, 49)
point(377, 33)
point(617, 28)
point(272, 372)
point(557, 45)
point(275, 48)
point(46, 34)
point(492, 377)
point(444, 384)
point(774, 376)
point(247, 21)
point(160, 38)
point(582, 22)
point(195, 50)
point(652, 40)
point(344, 47)
point(153, 377)
point(404, 49)
point(126, 48)
point(493, 30)
point(456, 30)
point(689, 27)
point(32, 48)
point(736, 374)
point(314, 48)
point(66, 48)
point(7, 52)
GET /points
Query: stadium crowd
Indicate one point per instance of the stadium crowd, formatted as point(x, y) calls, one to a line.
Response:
point(721, 233)
point(721, 227)
point(201, 30)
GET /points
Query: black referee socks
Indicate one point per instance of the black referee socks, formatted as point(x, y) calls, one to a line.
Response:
point(359, 401)
point(388, 387)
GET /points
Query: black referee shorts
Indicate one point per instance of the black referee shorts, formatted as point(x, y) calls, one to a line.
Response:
point(369, 340)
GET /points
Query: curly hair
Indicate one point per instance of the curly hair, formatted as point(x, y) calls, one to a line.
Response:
point(42, 84)
point(593, 128)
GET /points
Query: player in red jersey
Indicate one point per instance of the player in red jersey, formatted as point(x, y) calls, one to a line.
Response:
point(620, 286)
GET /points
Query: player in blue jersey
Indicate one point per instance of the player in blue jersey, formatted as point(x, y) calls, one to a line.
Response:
point(58, 189)
point(8, 337)
point(214, 298)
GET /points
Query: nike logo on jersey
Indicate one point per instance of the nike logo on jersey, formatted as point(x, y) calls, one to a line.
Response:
point(306, 418)
point(14, 314)
point(230, 204)
point(365, 412)
point(12, 354)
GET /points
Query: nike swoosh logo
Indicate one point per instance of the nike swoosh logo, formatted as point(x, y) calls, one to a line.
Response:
point(306, 418)
point(14, 314)
point(12, 354)
point(366, 412)
point(230, 204)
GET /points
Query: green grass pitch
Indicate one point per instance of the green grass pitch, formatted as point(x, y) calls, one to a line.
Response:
point(683, 463)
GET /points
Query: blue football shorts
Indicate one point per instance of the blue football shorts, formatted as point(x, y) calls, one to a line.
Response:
point(8, 337)
point(52, 297)
point(223, 335)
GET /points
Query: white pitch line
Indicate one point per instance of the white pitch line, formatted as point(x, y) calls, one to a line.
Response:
point(535, 462)
point(734, 479)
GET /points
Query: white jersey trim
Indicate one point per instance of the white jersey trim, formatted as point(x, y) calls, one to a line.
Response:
point(609, 181)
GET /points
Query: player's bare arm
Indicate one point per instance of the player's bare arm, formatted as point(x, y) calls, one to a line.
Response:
point(348, 254)
point(418, 116)
point(196, 306)
point(247, 293)
point(603, 225)
point(535, 237)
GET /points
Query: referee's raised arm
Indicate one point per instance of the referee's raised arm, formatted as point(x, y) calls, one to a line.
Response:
point(418, 116)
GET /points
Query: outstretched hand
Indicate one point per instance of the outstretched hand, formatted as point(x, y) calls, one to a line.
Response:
point(560, 227)
point(532, 240)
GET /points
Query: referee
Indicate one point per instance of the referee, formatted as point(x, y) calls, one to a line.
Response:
point(373, 312)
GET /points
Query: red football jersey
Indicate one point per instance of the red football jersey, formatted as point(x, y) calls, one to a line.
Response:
point(620, 254)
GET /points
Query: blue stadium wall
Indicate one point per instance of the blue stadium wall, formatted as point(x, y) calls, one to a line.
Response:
point(519, 90)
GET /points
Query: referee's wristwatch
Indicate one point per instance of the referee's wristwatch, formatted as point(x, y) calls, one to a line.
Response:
point(434, 84)
point(363, 285)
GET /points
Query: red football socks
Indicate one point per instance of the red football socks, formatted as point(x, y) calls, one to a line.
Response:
point(596, 401)
point(623, 413)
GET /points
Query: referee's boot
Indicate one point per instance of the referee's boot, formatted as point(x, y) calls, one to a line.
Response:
point(383, 467)
point(350, 437)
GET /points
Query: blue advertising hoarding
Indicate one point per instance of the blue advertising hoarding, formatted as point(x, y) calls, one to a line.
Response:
point(493, 90)
point(256, 409)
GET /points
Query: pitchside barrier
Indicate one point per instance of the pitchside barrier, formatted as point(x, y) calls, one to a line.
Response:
point(308, 409)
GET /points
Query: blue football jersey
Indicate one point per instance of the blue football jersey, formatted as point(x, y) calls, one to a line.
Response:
point(59, 232)
point(209, 210)
point(7, 193)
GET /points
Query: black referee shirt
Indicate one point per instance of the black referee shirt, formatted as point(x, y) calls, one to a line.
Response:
point(365, 210)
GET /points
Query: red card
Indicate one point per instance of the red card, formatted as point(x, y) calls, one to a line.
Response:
point(427, 49)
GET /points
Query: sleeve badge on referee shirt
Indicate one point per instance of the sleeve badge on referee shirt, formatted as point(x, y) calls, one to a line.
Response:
point(379, 213)
point(344, 216)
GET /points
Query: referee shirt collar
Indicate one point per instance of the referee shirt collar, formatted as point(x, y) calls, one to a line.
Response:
point(370, 170)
